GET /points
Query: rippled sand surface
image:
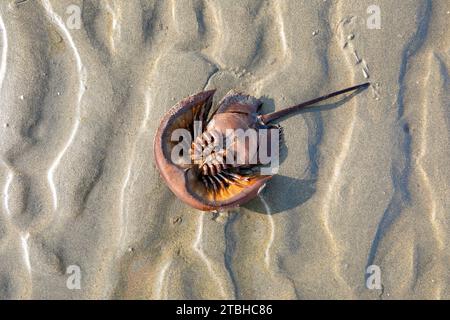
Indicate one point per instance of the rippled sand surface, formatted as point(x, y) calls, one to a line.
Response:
point(364, 182)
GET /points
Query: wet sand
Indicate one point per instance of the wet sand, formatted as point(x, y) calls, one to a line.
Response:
point(364, 181)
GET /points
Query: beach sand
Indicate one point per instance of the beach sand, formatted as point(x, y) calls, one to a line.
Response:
point(364, 184)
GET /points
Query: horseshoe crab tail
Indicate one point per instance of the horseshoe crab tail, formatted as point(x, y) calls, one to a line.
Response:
point(269, 117)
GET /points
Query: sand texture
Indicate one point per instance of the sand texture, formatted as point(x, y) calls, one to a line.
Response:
point(363, 181)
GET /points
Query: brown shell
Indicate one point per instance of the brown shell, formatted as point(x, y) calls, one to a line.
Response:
point(235, 111)
point(184, 180)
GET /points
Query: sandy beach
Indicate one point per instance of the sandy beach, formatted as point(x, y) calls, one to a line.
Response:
point(362, 191)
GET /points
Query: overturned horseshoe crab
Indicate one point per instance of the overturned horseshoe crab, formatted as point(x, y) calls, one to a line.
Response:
point(202, 169)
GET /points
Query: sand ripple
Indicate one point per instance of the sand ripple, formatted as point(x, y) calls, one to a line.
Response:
point(363, 182)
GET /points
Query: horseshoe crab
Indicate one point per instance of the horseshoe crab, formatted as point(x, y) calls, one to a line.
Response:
point(195, 168)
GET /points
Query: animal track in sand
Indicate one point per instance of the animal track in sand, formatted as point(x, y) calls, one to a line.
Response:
point(347, 35)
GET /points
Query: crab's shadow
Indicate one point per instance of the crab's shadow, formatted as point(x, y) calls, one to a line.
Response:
point(269, 106)
point(282, 192)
